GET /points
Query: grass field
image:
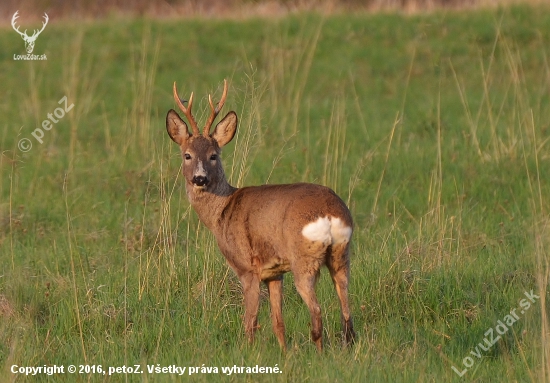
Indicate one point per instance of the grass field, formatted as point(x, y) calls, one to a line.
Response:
point(433, 128)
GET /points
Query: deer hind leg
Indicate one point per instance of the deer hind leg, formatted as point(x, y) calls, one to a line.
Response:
point(338, 265)
point(275, 288)
point(251, 290)
point(305, 284)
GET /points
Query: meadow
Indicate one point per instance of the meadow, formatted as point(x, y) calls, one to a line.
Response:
point(434, 128)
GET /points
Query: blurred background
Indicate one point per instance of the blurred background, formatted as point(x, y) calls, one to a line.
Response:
point(234, 8)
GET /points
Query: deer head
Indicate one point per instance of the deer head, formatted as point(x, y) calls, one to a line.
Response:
point(201, 164)
point(29, 40)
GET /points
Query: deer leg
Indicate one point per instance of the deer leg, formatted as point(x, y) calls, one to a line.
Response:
point(340, 279)
point(338, 266)
point(251, 290)
point(305, 284)
point(275, 288)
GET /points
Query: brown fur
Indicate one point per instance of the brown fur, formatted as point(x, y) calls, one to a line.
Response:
point(259, 229)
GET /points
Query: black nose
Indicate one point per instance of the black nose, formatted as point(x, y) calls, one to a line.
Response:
point(200, 180)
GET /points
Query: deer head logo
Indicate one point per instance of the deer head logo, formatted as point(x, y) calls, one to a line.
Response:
point(29, 40)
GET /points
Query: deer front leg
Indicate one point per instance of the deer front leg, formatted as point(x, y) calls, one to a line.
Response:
point(275, 288)
point(251, 290)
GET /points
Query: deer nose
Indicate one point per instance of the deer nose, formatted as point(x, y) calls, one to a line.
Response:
point(200, 180)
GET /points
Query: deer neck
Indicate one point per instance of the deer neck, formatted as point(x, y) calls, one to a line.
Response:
point(209, 203)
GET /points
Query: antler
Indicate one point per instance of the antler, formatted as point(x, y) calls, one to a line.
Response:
point(36, 33)
point(187, 111)
point(215, 110)
point(15, 17)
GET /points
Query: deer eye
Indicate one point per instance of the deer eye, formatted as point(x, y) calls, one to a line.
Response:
point(213, 157)
point(187, 156)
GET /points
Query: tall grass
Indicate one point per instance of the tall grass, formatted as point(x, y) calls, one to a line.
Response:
point(438, 143)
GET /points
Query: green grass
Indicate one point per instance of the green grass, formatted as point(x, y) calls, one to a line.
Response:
point(434, 128)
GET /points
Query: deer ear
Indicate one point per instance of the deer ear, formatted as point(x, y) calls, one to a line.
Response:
point(176, 127)
point(225, 130)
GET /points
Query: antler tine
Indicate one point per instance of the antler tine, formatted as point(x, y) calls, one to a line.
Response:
point(13, 23)
point(215, 110)
point(187, 111)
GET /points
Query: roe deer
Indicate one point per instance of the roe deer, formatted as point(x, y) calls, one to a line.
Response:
point(265, 231)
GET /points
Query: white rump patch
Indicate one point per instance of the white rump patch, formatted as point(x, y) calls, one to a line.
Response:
point(318, 231)
point(327, 230)
point(340, 231)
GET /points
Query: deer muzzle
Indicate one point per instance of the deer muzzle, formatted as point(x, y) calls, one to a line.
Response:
point(200, 177)
point(199, 180)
